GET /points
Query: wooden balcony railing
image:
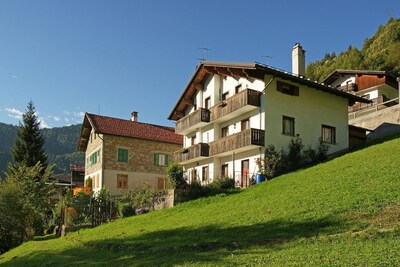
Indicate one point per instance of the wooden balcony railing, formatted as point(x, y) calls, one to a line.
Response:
point(192, 153)
point(350, 87)
point(192, 120)
point(249, 137)
point(247, 97)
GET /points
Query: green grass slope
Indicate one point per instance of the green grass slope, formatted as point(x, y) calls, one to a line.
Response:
point(345, 212)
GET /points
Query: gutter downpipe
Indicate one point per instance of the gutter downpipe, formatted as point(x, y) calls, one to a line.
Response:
point(265, 127)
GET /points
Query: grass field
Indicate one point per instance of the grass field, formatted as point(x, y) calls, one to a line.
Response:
point(345, 212)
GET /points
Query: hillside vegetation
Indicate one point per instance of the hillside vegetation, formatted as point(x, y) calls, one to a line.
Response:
point(60, 145)
point(380, 52)
point(344, 212)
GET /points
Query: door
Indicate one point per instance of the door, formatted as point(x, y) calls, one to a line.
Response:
point(245, 173)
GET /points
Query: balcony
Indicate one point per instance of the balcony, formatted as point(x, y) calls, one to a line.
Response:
point(239, 142)
point(242, 102)
point(193, 153)
point(194, 120)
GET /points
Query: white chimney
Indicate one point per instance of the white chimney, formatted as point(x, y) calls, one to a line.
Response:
point(298, 60)
point(134, 116)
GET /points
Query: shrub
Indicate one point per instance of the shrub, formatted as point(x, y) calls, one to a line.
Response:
point(223, 183)
point(272, 161)
point(88, 182)
point(175, 176)
point(294, 156)
point(126, 210)
point(16, 216)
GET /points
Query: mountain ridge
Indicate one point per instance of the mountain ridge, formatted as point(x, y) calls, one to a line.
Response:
point(60, 145)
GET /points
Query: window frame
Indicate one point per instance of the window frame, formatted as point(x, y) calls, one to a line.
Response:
point(224, 131)
point(121, 155)
point(245, 121)
point(205, 174)
point(166, 159)
point(331, 135)
point(207, 103)
point(225, 96)
point(224, 170)
point(287, 88)
point(292, 129)
point(122, 184)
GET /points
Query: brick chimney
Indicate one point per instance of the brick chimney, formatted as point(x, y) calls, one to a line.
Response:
point(134, 116)
point(298, 60)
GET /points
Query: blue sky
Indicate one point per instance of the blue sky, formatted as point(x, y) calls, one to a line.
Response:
point(115, 57)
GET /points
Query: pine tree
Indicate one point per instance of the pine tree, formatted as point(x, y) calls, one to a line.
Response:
point(28, 147)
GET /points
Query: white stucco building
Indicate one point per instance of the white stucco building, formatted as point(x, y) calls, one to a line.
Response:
point(229, 112)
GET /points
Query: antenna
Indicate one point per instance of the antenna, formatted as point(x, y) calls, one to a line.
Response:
point(205, 50)
point(266, 58)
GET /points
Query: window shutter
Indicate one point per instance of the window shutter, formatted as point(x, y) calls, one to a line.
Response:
point(167, 158)
point(156, 156)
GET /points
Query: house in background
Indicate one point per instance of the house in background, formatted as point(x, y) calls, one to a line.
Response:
point(124, 154)
point(63, 181)
point(377, 86)
point(229, 112)
point(380, 117)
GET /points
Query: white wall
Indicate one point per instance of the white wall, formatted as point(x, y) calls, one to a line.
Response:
point(311, 109)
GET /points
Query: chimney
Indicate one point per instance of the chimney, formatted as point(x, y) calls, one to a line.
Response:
point(134, 116)
point(298, 60)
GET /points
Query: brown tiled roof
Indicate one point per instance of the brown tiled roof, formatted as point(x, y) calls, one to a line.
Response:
point(128, 128)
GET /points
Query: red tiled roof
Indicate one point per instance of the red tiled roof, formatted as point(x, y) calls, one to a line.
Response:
point(127, 128)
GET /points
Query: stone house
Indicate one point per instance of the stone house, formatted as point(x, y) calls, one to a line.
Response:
point(123, 154)
point(229, 112)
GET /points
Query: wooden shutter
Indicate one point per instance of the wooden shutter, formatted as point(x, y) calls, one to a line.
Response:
point(156, 159)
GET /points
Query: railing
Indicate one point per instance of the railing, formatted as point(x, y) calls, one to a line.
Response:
point(378, 104)
point(191, 120)
point(241, 99)
point(242, 139)
point(351, 87)
point(193, 152)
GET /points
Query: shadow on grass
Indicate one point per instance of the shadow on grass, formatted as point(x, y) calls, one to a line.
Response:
point(203, 245)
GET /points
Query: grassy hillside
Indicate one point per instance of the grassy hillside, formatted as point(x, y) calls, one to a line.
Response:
point(345, 212)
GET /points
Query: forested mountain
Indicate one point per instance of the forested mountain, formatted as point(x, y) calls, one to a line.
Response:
point(380, 52)
point(60, 145)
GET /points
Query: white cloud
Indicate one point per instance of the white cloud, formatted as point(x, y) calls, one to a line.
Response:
point(66, 119)
point(55, 118)
point(14, 76)
point(43, 124)
point(79, 114)
point(14, 113)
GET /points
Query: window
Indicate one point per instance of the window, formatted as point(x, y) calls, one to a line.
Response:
point(224, 131)
point(94, 158)
point(245, 124)
point(288, 89)
point(122, 181)
point(194, 174)
point(193, 140)
point(204, 174)
point(328, 134)
point(288, 125)
point(122, 155)
point(161, 159)
point(225, 96)
point(207, 103)
point(237, 88)
point(224, 170)
point(194, 103)
point(161, 183)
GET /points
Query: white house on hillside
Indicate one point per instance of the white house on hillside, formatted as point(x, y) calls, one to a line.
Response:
point(229, 112)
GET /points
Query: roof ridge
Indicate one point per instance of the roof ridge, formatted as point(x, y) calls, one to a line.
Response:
point(139, 122)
